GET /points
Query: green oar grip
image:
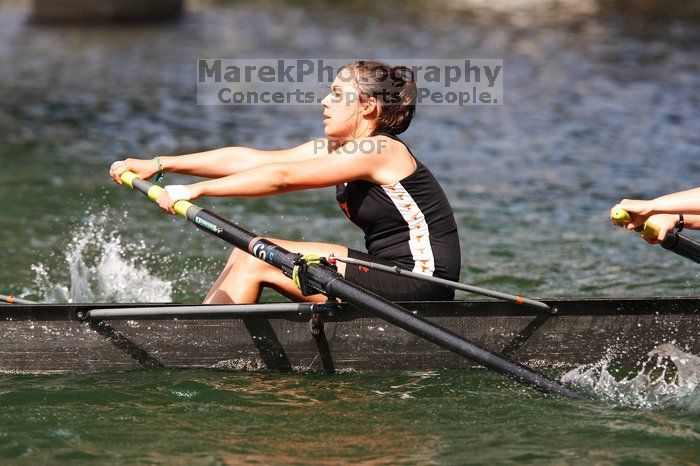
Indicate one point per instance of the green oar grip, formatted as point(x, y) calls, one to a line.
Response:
point(621, 217)
point(153, 191)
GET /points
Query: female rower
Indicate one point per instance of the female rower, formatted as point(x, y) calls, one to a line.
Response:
point(677, 210)
point(380, 185)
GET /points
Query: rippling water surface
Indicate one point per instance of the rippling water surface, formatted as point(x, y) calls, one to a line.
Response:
point(205, 417)
point(601, 102)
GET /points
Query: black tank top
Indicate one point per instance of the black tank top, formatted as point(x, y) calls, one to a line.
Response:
point(409, 221)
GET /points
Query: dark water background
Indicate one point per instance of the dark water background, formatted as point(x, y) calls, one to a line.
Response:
point(601, 102)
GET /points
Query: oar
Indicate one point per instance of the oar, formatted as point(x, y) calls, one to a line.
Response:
point(14, 300)
point(527, 302)
point(674, 241)
point(326, 280)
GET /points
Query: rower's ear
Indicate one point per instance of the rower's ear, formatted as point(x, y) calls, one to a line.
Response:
point(369, 107)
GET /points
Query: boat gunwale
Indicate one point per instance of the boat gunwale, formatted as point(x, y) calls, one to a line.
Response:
point(566, 307)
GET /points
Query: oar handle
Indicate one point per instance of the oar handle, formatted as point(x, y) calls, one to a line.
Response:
point(621, 217)
point(674, 241)
point(151, 190)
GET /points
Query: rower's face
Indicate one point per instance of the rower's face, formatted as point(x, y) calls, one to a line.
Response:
point(341, 107)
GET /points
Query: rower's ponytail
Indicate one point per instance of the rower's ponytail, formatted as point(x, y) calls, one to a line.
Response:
point(395, 90)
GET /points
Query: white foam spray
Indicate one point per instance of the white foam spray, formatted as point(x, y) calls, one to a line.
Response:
point(669, 378)
point(102, 269)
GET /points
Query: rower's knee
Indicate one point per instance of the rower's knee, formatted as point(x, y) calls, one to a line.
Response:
point(251, 271)
point(254, 269)
point(236, 255)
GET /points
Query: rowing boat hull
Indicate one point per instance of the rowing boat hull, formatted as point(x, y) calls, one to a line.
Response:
point(52, 339)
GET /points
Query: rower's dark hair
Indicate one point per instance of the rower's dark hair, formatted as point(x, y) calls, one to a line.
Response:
point(394, 88)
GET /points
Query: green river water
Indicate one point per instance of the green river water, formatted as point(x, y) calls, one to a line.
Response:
point(601, 102)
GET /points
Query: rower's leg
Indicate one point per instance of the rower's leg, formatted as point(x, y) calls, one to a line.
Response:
point(244, 276)
point(217, 294)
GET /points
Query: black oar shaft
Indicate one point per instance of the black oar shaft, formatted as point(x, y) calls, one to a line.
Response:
point(327, 281)
point(682, 245)
point(457, 344)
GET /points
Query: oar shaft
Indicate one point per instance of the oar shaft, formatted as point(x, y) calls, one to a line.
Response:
point(682, 245)
point(329, 282)
point(444, 338)
point(674, 241)
point(527, 302)
point(14, 300)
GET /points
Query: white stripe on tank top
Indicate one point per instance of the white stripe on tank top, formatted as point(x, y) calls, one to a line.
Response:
point(419, 236)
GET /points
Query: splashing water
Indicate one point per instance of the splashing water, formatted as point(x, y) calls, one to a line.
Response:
point(669, 378)
point(102, 269)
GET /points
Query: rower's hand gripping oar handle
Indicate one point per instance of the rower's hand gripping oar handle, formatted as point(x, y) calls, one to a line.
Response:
point(674, 241)
point(621, 217)
point(151, 190)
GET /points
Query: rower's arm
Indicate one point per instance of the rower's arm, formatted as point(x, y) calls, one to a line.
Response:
point(278, 178)
point(692, 222)
point(230, 160)
point(683, 202)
